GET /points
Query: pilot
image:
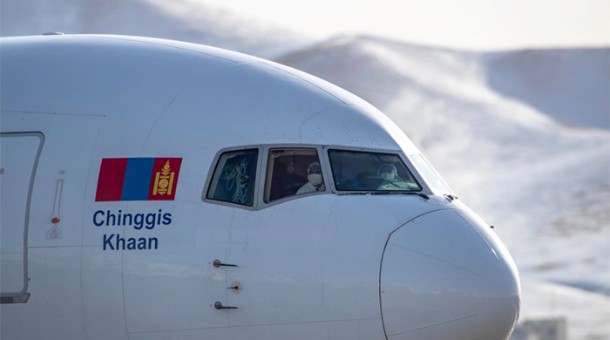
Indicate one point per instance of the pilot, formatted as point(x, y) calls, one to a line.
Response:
point(390, 180)
point(314, 179)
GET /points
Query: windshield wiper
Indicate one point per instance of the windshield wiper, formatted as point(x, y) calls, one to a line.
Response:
point(420, 194)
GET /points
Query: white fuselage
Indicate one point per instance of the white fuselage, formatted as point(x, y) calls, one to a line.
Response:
point(322, 265)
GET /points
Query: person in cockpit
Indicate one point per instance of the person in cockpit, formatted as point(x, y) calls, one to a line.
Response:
point(390, 180)
point(315, 182)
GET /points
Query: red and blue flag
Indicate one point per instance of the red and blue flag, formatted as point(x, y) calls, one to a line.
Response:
point(138, 179)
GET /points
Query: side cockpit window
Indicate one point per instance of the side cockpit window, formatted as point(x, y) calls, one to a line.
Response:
point(234, 177)
point(293, 171)
point(430, 175)
point(370, 172)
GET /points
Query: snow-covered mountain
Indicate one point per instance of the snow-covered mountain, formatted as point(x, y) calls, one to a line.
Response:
point(523, 137)
point(572, 85)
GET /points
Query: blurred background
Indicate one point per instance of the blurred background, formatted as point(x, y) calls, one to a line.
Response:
point(510, 100)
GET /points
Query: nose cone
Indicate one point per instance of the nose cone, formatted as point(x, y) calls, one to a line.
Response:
point(445, 275)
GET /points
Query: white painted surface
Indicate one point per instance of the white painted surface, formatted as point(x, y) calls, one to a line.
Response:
point(309, 267)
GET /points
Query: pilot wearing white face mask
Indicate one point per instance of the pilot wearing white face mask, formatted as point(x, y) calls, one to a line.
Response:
point(391, 181)
point(388, 172)
point(314, 179)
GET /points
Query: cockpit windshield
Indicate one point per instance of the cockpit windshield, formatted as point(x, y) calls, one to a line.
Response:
point(432, 178)
point(370, 171)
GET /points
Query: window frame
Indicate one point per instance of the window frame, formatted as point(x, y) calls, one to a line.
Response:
point(210, 176)
point(327, 173)
point(401, 155)
point(321, 159)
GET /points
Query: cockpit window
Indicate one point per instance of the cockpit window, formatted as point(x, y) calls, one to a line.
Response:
point(370, 171)
point(432, 178)
point(234, 177)
point(293, 171)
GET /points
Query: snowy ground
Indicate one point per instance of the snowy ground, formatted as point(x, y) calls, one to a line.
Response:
point(523, 137)
point(586, 314)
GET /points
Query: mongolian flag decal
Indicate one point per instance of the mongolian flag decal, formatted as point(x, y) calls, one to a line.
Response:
point(138, 179)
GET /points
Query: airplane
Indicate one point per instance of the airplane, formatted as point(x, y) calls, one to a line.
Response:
point(156, 189)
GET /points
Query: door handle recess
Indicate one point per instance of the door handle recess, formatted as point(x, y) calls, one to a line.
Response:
point(217, 263)
point(218, 305)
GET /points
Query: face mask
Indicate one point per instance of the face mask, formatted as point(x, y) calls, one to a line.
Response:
point(387, 176)
point(314, 179)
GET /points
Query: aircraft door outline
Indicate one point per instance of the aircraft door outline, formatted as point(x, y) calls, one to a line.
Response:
point(17, 175)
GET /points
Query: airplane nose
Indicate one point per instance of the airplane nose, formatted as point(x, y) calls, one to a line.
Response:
point(445, 275)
